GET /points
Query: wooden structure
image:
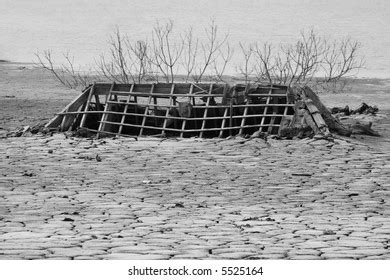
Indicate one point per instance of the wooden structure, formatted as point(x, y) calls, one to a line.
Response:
point(179, 110)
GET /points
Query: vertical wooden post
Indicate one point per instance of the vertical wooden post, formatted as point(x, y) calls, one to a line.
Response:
point(106, 108)
point(154, 110)
point(265, 110)
point(224, 115)
point(223, 122)
point(84, 117)
point(183, 126)
point(125, 110)
point(273, 113)
point(205, 111)
point(231, 111)
point(243, 120)
point(146, 111)
point(168, 108)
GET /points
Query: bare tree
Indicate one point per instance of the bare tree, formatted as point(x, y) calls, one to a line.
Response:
point(341, 59)
point(220, 63)
point(166, 52)
point(116, 66)
point(210, 50)
point(264, 67)
point(304, 57)
point(312, 59)
point(138, 56)
point(64, 73)
point(246, 68)
point(306, 60)
point(190, 53)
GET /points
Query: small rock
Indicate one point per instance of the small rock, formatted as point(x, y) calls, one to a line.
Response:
point(179, 205)
point(329, 232)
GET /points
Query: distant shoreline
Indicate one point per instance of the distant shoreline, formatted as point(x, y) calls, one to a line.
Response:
point(358, 78)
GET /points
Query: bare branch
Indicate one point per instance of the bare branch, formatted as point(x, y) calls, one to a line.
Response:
point(247, 68)
point(225, 57)
point(166, 53)
point(209, 51)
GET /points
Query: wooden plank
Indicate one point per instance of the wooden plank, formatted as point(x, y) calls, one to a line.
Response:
point(167, 95)
point(225, 114)
point(125, 111)
point(83, 119)
point(146, 111)
point(76, 102)
point(106, 108)
point(273, 118)
point(163, 117)
point(223, 125)
point(333, 124)
point(183, 126)
point(206, 111)
point(245, 113)
point(265, 111)
point(166, 117)
point(316, 115)
point(68, 120)
point(216, 106)
point(191, 130)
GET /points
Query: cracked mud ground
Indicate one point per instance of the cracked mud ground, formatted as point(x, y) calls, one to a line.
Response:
point(193, 198)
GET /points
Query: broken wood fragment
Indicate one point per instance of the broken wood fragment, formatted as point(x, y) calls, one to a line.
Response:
point(334, 124)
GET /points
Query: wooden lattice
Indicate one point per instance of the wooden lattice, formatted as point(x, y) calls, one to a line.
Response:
point(182, 110)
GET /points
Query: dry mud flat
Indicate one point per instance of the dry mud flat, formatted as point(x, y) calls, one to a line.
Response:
point(192, 198)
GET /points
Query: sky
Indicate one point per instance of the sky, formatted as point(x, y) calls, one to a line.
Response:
point(83, 27)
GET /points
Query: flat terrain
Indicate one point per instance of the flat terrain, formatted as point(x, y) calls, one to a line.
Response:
point(69, 198)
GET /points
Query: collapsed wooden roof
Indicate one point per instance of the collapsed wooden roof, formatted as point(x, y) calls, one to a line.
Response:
point(181, 109)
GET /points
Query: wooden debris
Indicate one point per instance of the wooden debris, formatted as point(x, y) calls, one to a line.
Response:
point(300, 125)
point(65, 118)
point(365, 109)
point(359, 127)
point(333, 124)
point(337, 110)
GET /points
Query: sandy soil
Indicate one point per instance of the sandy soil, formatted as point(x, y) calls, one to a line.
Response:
point(68, 198)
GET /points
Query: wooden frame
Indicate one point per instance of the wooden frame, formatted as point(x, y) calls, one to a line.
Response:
point(217, 110)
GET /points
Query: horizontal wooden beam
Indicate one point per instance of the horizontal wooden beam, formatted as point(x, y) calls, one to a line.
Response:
point(191, 130)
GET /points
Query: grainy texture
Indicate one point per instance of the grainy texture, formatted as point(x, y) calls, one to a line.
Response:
point(193, 198)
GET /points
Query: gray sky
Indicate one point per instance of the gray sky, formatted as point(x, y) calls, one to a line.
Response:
point(83, 27)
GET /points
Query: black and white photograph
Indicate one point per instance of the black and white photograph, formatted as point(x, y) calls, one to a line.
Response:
point(195, 130)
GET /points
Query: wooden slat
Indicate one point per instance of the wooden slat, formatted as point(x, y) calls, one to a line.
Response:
point(206, 111)
point(77, 102)
point(167, 111)
point(125, 111)
point(273, 118)
point(177, 118)
point(216, 106)
point(84, 117)
point(167, 95)
point(146, 111)
point(265, 110)
point(245, 113)
point(225, 113)
point(183, 126)
point(225, 117)
point(191, 130)
point(106, 108)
